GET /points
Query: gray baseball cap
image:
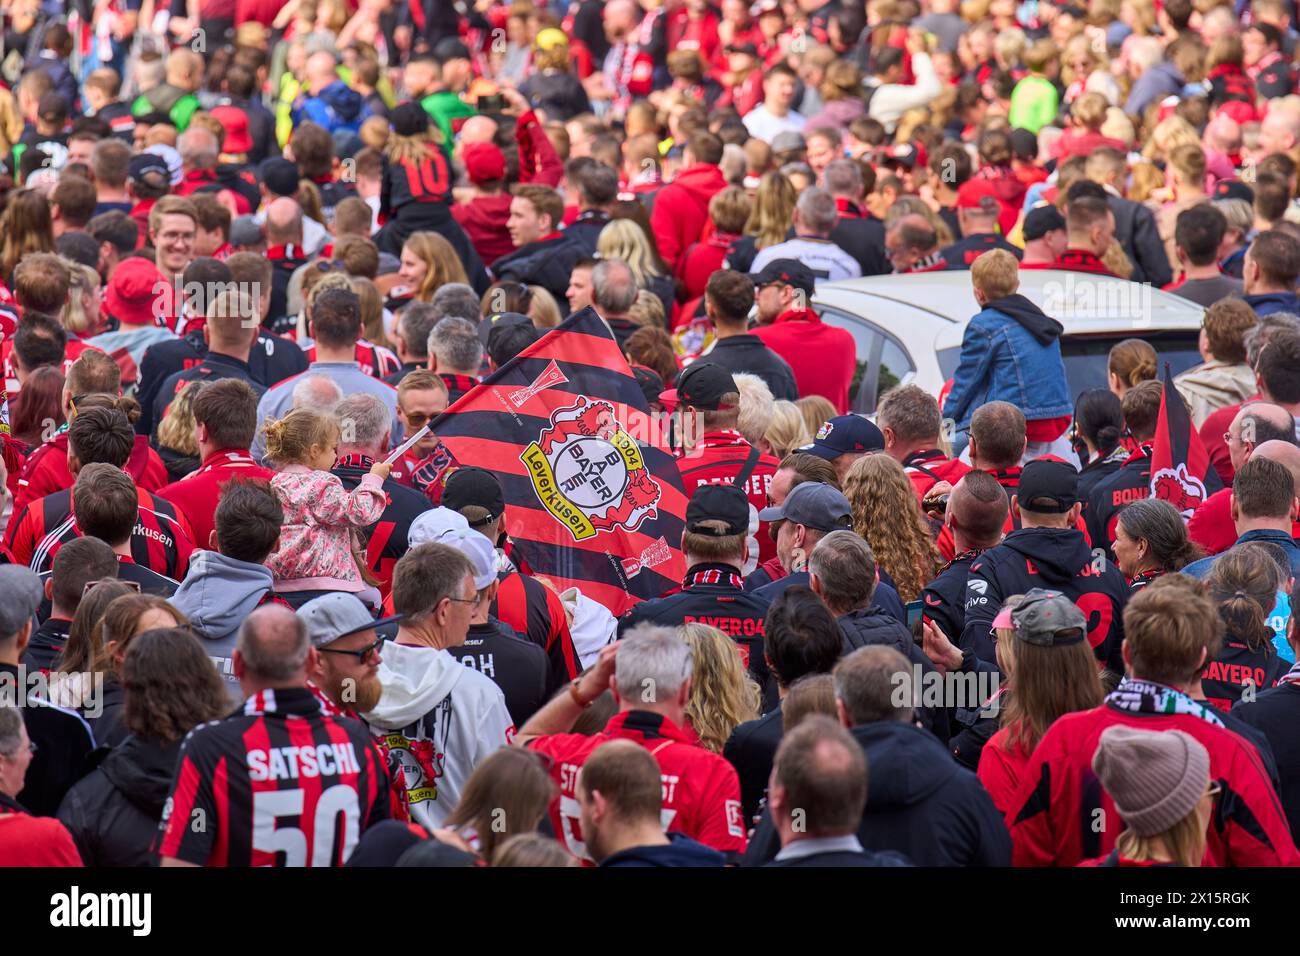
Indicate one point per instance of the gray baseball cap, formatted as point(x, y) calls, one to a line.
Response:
point(1049, 619)
point(337, 615)
point(20, 596)
point(814, 504)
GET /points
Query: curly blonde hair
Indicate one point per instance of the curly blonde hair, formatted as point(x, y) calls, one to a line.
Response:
point(887, 514)
point(723, 695)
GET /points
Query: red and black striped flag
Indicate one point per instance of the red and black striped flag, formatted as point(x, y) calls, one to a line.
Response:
point(593, 499)
point(1180, 466)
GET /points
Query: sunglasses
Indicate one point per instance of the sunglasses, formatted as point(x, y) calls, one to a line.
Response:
point(360, 655)
point(91, 585)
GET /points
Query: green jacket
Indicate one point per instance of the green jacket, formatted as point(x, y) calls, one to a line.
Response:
point(165, 98)
point(443, 107)
point(1034, 103)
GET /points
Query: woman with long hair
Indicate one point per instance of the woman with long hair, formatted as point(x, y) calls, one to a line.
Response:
point(1243, 582)
point(624, 239)
point(81, 316)
point(72, 680)
point(723, 695)
point(1151, 540)
point(1098, 428)
point(507, 794)
point(428, 262)
point(37, 410)
point(25, 227)
point(177, 446)
point(768, 222)
point(169, 687)
point(1043, 682)
point(816, 410)
point(786, 431)
point(888, 516)
point(652, 348)
point(1129, 364)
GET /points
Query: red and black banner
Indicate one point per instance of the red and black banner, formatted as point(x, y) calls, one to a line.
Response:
point(1181, 472)
point(592, 500)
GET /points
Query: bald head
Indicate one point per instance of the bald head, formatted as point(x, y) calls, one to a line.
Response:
point(272, 649)
point(477, 129)
point(1256, 424)
point(284, 222)
point(320, 70)
point(1284, 453)
point(1223, 134)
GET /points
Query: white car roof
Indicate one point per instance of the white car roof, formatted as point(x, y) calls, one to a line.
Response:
point(1085, 304)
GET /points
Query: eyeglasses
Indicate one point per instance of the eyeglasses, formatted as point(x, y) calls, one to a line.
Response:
point(360, 655)
point(418, 419)
point(91, 585)
point(472, 602)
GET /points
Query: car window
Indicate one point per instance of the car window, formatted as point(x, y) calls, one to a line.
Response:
point(1085, 356)
point(882, 362)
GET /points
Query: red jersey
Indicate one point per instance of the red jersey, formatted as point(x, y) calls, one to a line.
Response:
point(1211, 525)
point(280, 783)
point(1056, 816)
point(701, 792)
point(46, 470)
point(374, 360)
point(162, 540)
point(537, 614)
point(822, 356)
point(928, 468)
point(198, 493)
point(718, 460)
point(26, 840)
point(71, 352)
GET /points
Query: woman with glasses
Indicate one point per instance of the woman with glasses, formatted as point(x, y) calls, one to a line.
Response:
point(169, 687)
point(1161, 786)
point(26, 840)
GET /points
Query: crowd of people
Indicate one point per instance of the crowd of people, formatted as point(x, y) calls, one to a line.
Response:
point(253, 612)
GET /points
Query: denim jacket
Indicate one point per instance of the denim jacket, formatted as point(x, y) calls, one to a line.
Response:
point(1002, 361)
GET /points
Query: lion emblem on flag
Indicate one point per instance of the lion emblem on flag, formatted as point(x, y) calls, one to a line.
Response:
point(1180, 488)
point(589, 473)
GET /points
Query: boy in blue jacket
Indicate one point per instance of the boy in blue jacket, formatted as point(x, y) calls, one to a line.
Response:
point(1011, 352)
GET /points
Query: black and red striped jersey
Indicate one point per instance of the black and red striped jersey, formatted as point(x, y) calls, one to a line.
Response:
point(457, 386)
point(537, 614)
point(280, 782)
point(162, 540)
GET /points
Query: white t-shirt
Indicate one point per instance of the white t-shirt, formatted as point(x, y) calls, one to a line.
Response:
point(826, 259)
point(765, 126)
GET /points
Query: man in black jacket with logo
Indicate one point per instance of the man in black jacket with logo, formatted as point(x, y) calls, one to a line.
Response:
point(976, 513)
point(717, 523)
point(728, 299)
point(1132, 480)
point(1047, 552)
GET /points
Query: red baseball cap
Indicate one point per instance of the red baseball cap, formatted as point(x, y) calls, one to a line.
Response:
point(136, 293)
point(483, 162)
point(978, 194)
point(235, 120)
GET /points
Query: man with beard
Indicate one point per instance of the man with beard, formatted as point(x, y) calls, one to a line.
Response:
point(345, 671)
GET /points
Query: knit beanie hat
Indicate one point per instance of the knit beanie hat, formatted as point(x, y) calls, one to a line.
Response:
point(1155, 778)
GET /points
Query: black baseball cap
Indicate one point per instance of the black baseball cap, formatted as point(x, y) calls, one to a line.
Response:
point(651, 384)
point(1233, 189)
point(703, 385)
point(845, 435)
point(1041, 220)
point(142, 164)
point(474, 487)
point(815, 505)
point(409, 119)
point(451, 48)
point(500, 320)
point(789, 271)
point(1048, 487)
point(279, 176)
point(725, 503)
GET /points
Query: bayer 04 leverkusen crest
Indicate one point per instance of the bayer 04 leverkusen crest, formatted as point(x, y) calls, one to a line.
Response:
point(592, 500)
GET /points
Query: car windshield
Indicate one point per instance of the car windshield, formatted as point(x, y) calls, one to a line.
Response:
point(1085, 356)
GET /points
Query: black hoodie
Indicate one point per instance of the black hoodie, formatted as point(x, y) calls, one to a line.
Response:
point(1035, 321)
point(1057, 559)
point(113, 813)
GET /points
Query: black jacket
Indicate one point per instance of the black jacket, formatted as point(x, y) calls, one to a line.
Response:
point(271, 360)
point(962, 254)
point(885, 597)
point(46, 644)
point(919, 803)
point(517, 666)
point(63, 742)
point(747, 353)
point(1136, 231)
point(1055, 558)
point(585, 230)
point(873, 626)
point(1098, 470)
point(1130, 482)
point(546, 262)
point(680, 850)
point(751, 748)
point(943, 600)
point(106, 720)
point(839, 858)
point(113, 813)
point(212, 368)
point(1276, 713)
point(863, 239)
